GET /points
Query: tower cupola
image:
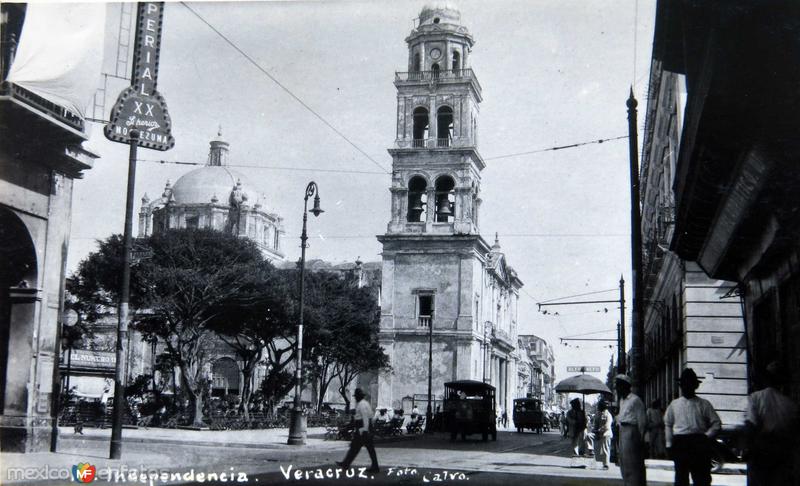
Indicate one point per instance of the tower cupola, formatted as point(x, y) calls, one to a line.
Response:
point(218, 153)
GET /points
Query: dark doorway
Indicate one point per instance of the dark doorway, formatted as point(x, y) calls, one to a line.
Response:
point(17, 269)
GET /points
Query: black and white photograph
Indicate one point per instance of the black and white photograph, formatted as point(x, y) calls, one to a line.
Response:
point(398, 242)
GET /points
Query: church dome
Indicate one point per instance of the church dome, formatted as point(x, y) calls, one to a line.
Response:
point(440, 12)
point(202, 185)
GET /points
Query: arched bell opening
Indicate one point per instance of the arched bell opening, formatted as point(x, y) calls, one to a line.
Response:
point(444, 126)
point(456, 62)
point(421, 126)
point(417, 199)
point(445, 199)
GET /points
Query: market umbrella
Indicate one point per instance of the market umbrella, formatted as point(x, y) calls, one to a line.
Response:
point(583, 384)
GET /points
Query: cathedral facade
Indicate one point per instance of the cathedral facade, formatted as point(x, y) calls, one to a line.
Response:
point(215, 197)
point(448, 296)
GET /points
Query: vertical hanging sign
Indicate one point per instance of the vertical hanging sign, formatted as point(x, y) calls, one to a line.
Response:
point(140, 106)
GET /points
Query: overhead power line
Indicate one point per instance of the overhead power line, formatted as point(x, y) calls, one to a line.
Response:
point(284, 88)
point(559, 147)
point(268, 167)
point(580, 295)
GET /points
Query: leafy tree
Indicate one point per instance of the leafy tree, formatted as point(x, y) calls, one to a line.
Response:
point(342, 338)
point(259, 314)
point(174, 293)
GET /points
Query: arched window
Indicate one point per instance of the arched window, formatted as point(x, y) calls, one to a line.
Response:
point(415, 67)
point(417, 199)
point(444, 126)
point(445, 199)
point(420, 126)
point(456, 62)
point(435, 69)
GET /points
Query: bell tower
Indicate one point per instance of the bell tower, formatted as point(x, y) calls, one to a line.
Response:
point(437, 292)
point(435, 162)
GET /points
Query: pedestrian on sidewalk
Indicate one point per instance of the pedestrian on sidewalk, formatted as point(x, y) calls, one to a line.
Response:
point(362, 435)
point(601, 430)
point(655, 430)
point(576, 426)
point(632, 421)
point(771, 427)
point(691, 423)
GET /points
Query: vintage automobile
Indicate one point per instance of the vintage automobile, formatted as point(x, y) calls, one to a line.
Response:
point(469, 408)
point(528, 414)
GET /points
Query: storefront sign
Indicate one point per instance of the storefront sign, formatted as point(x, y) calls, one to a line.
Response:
point(85, 358)
point(583, 369)
point(140, 106)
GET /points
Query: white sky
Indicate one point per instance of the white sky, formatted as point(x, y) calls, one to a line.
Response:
point(553, 73)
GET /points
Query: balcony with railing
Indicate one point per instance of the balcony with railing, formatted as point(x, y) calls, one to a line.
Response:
point(435, 143)
point(438, 76)
point(424, 322)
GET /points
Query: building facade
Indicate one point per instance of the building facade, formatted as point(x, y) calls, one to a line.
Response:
point(542, 361)
point(215, 197)
point(41, 157)
point(447, 295)
point(736, 174)
point(690, 319)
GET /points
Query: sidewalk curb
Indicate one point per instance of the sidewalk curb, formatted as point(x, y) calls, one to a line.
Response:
point(245, 445)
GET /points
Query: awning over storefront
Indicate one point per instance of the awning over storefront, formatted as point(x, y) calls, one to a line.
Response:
point(60, 52)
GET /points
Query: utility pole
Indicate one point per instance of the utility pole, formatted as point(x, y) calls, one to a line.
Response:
point(621, 357)
point(620, 324)
point(637, 328)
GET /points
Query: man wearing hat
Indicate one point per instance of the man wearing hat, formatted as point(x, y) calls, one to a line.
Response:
point(771, 425)
point(362, 435)
point(601, 429)
point(690, 425)
point(632, 420)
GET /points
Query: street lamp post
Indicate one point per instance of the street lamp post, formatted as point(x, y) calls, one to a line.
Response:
point(297, 426)
point(429, 411)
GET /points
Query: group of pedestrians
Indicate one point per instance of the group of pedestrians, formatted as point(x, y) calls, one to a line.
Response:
point(689, 426)
point(685, 433)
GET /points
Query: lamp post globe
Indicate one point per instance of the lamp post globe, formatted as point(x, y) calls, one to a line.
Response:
point(297, 424)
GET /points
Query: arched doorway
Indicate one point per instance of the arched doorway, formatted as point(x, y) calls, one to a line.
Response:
point(17, 271)
point(224, 377)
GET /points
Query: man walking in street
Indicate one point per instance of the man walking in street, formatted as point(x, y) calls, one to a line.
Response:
point(362, 435)
point(771, 428)
point(632, 421)
point(601, 429)
point(576, 426)
point(691, 423)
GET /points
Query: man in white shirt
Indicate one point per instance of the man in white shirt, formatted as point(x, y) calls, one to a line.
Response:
point(362, 435)
point(690, 424)
point(601, 430)
point(632, 421)
point(771, 425)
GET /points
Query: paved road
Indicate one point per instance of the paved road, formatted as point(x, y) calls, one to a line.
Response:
point(513, 458)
